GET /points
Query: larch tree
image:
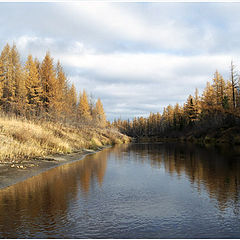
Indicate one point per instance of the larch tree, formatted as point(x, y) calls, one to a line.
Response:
point(169, 114)
point(61, 90)
point(177, 116)
point(190, 109)
point(19, 80)
point(71, 102)
point(150, 123)
point(219, 105)
point(158, 118)
point(38, 66)
point(216, 89)
point(208, 101)
point(2, 79)
point(92, 104)
point(197, 102)
point(229, 95)
point(49, 83)
point(219, 90)
point(100, 114)
point(33, 87)
point(9, 83)
point(83, 107)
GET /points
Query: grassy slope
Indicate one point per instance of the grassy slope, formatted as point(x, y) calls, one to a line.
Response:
point(21, 139)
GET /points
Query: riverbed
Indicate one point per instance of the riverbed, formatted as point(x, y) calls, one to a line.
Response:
point(129, 191)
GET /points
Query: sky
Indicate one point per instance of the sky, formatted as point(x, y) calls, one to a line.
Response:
point(137, 57)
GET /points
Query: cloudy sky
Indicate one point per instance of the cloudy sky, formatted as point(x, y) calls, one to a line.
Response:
point(137, 57)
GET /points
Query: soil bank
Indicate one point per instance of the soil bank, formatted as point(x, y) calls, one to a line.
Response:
point(12, 173)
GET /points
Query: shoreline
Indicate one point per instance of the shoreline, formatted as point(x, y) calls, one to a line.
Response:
point(203, 141)
point(13, 173)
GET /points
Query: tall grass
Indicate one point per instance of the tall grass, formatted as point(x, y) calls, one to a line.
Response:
point(23, 139)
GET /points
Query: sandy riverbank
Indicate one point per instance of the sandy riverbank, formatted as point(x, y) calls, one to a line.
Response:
point(12, 173)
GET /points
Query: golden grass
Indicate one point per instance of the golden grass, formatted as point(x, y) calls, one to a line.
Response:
point(21, 139)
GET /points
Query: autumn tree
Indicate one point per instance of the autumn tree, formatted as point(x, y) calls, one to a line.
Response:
point(19, 81)
point(219, 88)
point(177, 116)
point(2, 81)
point(49, 84)
point(71, 103)
point(42, 89)
point(61, 90)
point(151, 124)
point(190, 109)
point(92, 105)
point(208, 99)
point(219, 105)
point(169, 115)
point(34, 92)
point(100, 114)
point(83, 110)
point(9, 83)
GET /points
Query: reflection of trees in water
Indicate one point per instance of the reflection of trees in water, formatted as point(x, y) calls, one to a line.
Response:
point(138, 152)
point(48, 195)
point(44, 199)
point(218, 174)
point(93, 167)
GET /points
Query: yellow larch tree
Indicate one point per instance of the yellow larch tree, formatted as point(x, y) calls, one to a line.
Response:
point(150, 123)
point(2, 79)
point(83, 107)
point(208, 100)
point(190, 109)
point(9, 84)
point(197, 102)
point(49, 83)
point(33, 87)
point(71, 102)
point(19, 80)
point(229, 96)
point(219, 90)
point(169, 114)
point(100, 114)
point(61, 90)
point(177, 116)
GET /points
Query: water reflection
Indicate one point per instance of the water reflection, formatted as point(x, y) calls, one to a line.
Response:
point(205, 168)
point(46, 197)
point(100, 196)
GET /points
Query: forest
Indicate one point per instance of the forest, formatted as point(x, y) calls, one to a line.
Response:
point(41, 113)
point(41, 90)
point(213, 115)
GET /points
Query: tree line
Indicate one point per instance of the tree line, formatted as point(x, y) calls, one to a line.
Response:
point(218, 106)
point(41, 90)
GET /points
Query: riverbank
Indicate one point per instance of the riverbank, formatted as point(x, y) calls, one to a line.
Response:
point(12, 173)
point(23, 139)
point(31, 147)
point(220, 136)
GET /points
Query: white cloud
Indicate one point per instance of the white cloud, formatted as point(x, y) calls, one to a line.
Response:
point(124, 24)
point(136, 57)
point(148, 67)
point(79, 48)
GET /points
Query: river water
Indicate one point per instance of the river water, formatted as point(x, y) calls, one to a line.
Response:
point(129, 191)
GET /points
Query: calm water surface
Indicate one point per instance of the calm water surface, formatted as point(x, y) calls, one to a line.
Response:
point(129, 191)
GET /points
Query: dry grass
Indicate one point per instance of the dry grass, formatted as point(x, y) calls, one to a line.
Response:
point(21, 139)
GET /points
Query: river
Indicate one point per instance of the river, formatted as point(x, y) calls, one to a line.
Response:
point(129, 191)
